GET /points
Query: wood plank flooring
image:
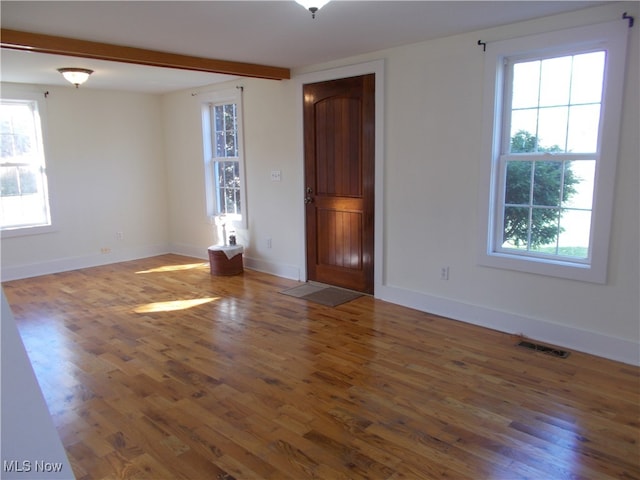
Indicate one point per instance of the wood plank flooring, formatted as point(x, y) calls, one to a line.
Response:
point(154, 369)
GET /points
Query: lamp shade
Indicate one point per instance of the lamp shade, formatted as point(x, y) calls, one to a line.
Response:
point(77, 76)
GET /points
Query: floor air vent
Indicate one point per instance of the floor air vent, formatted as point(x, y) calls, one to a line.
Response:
point(544, 349)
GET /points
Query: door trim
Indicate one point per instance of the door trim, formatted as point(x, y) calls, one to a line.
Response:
point(376, 67)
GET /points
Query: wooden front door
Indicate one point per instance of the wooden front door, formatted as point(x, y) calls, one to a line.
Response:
point(339, 140)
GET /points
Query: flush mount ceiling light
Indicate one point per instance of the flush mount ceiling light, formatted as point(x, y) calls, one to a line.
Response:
point(77, 76)
point(313, 5)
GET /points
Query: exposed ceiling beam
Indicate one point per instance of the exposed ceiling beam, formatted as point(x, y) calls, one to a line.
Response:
point(36, 42)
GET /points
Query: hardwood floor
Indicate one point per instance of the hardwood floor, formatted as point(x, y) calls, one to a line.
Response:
point(155, 369)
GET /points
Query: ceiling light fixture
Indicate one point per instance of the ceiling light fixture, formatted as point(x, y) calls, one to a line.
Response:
point(313, 5)
point(77, 76)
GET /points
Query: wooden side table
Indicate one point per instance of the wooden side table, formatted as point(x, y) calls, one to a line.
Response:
point(225, 260)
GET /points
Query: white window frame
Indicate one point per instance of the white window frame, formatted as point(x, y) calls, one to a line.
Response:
point(208, 100)
point(17, 93)
point(611, 37)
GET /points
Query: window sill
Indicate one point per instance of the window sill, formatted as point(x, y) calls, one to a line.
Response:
point(26, 231)
point(539, 266)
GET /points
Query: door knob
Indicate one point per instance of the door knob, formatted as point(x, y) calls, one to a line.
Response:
point(308, 200)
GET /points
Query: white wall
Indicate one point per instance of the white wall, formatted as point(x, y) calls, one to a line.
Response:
point(106, 167)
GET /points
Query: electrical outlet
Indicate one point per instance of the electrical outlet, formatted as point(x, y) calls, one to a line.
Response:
point(276, 175)
point(120, 235)
point(269, 242)
point(444, 273)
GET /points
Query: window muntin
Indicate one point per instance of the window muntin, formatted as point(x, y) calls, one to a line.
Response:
point(24, 201)
point(550, 149)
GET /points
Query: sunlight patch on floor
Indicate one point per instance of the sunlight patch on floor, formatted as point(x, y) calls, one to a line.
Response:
point(174, 268)
point(173, 305)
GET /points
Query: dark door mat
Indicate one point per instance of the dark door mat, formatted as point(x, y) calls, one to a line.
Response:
point(330, 296)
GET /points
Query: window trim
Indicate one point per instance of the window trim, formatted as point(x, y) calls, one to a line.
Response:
point(207, 101)
point(610, 36)
point(16, 92)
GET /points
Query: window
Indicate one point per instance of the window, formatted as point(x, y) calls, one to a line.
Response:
point(555, 113)
point(24, 199)
point(548, 164)
point(224, 166)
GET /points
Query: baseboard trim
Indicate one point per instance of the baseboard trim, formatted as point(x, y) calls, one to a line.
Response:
point(613, 348)
point(75, 263)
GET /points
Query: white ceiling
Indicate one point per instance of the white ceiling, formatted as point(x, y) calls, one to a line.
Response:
point(276, 33)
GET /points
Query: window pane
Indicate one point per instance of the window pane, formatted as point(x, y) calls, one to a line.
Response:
point(523, 142)
point(575, 228)
point(544, 229)
point(230, 116)
point(524, 124)
point(525, 84)
point(23, 211)
point(219, 118)
point(231, 146)
point(237, 200)
point(547, 180)
point(555, 81)
point(518, 183)
point(232, 177)
point(588, 73)
point(9, 181)
point(583, 128)
point(28, 179)
point(227, 174)
point(552, 129)
point(220, 145)
point(23, 201)
point(19, 140)
point(534, 229)
point(579, 180)
point(236, 174)
point(516, 227)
